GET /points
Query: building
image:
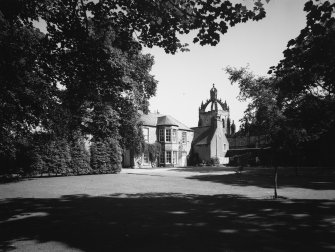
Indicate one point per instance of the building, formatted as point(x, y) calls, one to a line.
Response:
point(207, 141)
point(174, 137)
point(210, 137)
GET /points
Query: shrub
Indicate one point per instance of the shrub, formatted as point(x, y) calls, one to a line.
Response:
point(193, 158)
point(115, 155)
point(214, 161)
point(80, 158)
point(106, 156)
point(154, 151)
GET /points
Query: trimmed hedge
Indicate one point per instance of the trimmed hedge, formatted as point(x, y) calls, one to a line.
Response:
point(59, 156)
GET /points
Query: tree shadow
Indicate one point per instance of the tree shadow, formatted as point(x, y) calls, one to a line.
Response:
point(170, 222)
point(204, 169)
point(309, 178)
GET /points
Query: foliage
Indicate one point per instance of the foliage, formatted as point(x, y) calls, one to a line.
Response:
point(105, 156)
point(80, 157)
point(262, 111)
point(214, 161)
point(296, 105)
point(154, 151)
point(115, 155)
point(50, 155)
point(307, 74)
point(308, 64)
point(193, 158)
point(87, 73)
point(26, 87)
point(137, 144)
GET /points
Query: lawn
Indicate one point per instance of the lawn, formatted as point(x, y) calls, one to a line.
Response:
point(176, 209)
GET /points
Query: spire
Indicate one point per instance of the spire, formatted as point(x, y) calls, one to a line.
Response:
point(213, 93)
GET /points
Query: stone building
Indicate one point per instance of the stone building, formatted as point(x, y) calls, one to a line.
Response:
point(210, 137)
point(208, 140)
point(174, 137)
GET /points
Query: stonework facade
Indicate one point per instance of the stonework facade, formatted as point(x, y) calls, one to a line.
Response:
point(208, 140)
point(174, 137)
point(210, 137)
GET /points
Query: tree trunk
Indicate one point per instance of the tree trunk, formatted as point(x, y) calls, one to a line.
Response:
point(275, 182)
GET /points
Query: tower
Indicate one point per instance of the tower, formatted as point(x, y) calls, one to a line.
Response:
point(218, 111)
point(210, 141)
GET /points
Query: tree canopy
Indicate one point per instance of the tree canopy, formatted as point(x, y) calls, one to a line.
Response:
point(296, 104)
point(87, 73)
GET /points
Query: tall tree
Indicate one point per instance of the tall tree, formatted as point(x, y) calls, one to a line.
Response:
point(27, 86)
point(296, 105)
point(91, 57)
point(306, 79)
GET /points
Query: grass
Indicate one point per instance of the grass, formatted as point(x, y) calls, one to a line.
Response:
point(187, 209)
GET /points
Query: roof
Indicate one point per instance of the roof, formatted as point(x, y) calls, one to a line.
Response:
point(155, 119)
point(149, 119)
point(166, 120)
point(202, 135)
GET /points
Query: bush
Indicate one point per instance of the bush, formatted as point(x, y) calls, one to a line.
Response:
point(45, 154)
point(115, 155)
point(106, 156)
point(50, 156)
point(80, 158)
point(214, 161)
point(154, 151)
point(193, 158)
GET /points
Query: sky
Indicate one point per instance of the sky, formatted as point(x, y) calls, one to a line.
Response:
point(185, 79)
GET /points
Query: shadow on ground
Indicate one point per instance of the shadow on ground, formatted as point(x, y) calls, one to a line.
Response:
point(170, 222)
point(309, 178)
point(204, 169)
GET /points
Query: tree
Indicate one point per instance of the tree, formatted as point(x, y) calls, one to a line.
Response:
point(263, 114)
point(154, 151)
point(80, 158)
point(296, 105)
point(106, 156)
point(308, 64)
point(26, 90)
point(306, 79)
point(91, 58)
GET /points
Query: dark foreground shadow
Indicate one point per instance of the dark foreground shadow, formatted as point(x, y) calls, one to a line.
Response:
point(170, 222)
point(205, 169)
point(309, 178)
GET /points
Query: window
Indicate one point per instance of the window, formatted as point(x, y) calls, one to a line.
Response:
point(161, 135)
point(174, 157)
point(183, 137)
point(146, 134)
point(168, 157)
point(168, 135)
point(161, 160)
point(224, 146)
point(146, 157)
point(174, 135)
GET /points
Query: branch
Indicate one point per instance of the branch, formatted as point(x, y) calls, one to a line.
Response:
point(85, 14)
point(182, 10)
